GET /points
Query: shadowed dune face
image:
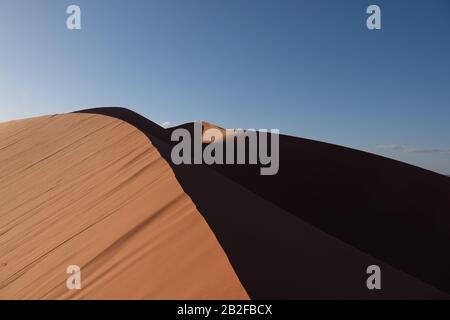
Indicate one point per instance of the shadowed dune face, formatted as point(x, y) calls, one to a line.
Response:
point(266, 228)
point(92, 191)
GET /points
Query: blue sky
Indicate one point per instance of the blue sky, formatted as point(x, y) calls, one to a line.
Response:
point(310, 68)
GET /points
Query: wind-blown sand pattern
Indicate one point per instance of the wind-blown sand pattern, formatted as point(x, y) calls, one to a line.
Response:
point(91, 190)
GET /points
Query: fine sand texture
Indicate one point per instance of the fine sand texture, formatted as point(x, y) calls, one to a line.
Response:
point(93, 191)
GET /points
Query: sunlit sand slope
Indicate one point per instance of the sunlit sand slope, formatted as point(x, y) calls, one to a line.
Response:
point(92, 191)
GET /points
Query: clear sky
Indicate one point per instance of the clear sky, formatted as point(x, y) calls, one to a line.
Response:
point(310, 68)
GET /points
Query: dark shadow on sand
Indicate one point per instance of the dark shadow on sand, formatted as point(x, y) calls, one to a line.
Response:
point(396, 213)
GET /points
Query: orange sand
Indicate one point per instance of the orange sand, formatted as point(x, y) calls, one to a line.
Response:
point(91, 190)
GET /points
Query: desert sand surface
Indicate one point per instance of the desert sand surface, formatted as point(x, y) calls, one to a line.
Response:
point(91, 190)
point(97, 189)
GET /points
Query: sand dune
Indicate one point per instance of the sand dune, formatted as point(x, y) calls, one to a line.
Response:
point(91, 190)
point(269, 225)
point(97, 188)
